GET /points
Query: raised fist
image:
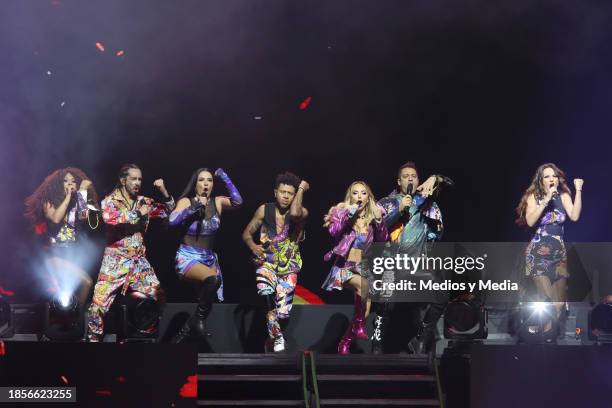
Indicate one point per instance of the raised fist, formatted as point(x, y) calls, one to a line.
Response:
point(304, 185)
point(578, 184)
point(85, 184)
point(159, 184)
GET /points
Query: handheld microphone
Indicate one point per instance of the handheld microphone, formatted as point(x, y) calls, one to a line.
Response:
point(410, 189)
point(555, 192)
point(353, 211)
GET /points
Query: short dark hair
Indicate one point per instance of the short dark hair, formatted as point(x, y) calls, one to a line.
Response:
point(407, 165)
point(287, 178)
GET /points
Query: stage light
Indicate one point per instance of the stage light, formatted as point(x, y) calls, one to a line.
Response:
point(539, 307)
point(65, 301)
point(64, 318)
point(534, 318)
point(6, 319)
point(465, 320)
point(600, 322)
point(139, 319)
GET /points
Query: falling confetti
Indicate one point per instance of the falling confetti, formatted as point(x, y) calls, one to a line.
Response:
point(48, 72)
point(121, 379)
point(120, 53)
point(104, 392)
point(304, 104)
point(62, 104)
point(257, 118)
point(64, 379)
point(190, 388)
point(100, 46)
point(2, 348)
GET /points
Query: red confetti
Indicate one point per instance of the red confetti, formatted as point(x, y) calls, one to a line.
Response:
point(2, 348)
point(304, 104)
point(5, 292)
point(121, 379)
point(120, 53)
point(40, 228)
point(64, 379)
point(100, 46)
point(190, 388)
point(103, 392)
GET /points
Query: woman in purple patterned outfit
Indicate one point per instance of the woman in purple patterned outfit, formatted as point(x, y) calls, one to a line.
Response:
point(545, 205)
point(354, 223)
point(199, 215)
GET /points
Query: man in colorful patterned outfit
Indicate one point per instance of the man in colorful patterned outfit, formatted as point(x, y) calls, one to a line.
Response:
point(413, 219)
point(124, 266)
point(277, 257)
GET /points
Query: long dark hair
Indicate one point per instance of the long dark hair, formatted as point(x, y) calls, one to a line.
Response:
point(51, 190)
point(537, 189)
point(189, 192)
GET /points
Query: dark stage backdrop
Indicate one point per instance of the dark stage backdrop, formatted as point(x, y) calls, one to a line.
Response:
point(482, 91)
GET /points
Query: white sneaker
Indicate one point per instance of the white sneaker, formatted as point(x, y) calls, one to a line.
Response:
point(279, 344)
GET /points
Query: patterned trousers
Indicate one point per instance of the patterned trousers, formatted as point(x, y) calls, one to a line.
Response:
point(121, 270)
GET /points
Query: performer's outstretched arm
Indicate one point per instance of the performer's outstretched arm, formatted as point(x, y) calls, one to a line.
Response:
point(235, 199)
point(433, 184)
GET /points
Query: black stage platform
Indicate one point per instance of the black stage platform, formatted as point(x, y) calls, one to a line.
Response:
point(230, 370)
point(160, 375)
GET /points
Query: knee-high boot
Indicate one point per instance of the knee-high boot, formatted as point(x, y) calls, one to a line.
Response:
point(208, 292)
point(358, 324)
point(196, 323)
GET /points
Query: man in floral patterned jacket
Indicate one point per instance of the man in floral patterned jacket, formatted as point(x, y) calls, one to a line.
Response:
point(124, 265)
